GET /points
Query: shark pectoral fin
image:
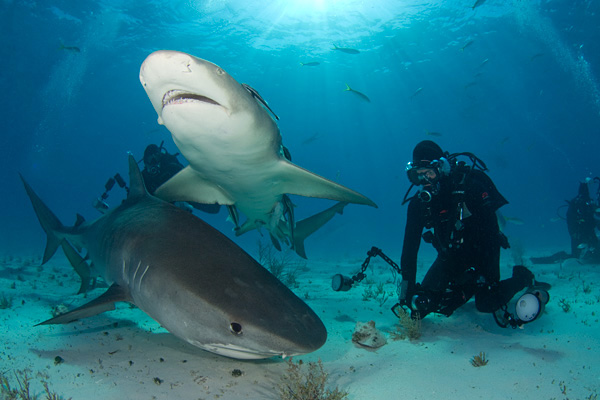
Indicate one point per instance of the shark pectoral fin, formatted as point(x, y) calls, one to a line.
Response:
point(105, 302)
point(309, 225)
point(188, 185)
point(297, 180)
point(79, 265)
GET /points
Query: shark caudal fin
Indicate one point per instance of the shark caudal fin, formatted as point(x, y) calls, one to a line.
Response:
point(50, 223)
point(309, 225)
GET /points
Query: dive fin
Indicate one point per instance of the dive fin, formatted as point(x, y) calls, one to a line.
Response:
point(48, 220)
point(297, 180)
point(188, 185)
point(309, 225)
point(78, 264)
point(105, 302)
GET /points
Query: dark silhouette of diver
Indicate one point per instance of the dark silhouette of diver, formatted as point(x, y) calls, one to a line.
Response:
point(457, 206)
point(159, 167)
point(582, 221)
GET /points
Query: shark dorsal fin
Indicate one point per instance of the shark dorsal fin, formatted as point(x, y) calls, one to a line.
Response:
point(137, 188)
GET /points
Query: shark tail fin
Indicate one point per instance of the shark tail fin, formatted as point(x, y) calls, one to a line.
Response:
point(50, 223)
point(79, 265)
point(137, 189)
point(309, 225)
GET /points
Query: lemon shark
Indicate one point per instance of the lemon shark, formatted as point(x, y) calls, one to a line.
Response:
point(233, 146)
point(183, 273)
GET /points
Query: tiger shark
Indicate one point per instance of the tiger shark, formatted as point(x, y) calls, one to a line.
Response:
point(183, 273)
point(232, 144)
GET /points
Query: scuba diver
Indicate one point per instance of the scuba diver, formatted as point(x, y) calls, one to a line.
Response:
point(582, 223)
point(456, 207)
point(159, 167)
point(582, 220)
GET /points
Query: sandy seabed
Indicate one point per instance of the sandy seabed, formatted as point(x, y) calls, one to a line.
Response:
point(125, 354)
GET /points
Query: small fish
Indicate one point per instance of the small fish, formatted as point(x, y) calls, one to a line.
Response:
point(311, 139)
point(360, 95)
point(74, 49)
point(484, 62)
point(555, 219)
point(537, 55)
point(477, 4)
point(310, 64)
point(436, 134)
point(470, 84)
point(345, 50)
point(416, 92)
point(470, 42)
point(514, 220)
point(582, 246)
point(506, 139)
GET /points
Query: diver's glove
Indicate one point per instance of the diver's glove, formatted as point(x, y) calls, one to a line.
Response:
point(416, 299)
point(407, 290)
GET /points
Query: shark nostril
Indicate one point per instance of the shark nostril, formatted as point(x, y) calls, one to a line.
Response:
point(235, 328)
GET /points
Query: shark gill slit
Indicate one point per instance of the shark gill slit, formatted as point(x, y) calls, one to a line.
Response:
point(136, 270)
point(142, 277)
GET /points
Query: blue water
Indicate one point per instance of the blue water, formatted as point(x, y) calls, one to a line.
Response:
point(523, 95)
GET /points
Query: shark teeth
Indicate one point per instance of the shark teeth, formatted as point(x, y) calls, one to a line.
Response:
point(180, 97)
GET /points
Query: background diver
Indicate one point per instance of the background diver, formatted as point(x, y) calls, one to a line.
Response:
point(159, 167)
point(456, 206)
point(583, 219)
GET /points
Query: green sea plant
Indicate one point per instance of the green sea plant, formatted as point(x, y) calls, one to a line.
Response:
point(565, 305)
point(479, 360)
point(406, 327)
point(310, 384)
point(280, 264)
point(376, 292)
point(23, 391)
point(5, 302)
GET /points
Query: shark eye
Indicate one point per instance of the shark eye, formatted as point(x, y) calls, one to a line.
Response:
point(235, 328)
point(220, 71)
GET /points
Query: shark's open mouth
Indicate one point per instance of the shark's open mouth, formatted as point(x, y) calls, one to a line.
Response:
point(180, 97)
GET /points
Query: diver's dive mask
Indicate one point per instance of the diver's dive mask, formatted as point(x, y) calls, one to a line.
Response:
point(427, 172)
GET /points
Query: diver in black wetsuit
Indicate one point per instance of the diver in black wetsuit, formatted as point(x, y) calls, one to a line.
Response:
point(159, 167)
point(457, 205)
point(582, 223)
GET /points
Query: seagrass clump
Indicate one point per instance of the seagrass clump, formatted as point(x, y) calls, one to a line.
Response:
point(307, 383)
